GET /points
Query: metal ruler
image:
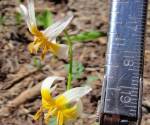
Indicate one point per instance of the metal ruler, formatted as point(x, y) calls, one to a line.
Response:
point(123, 80)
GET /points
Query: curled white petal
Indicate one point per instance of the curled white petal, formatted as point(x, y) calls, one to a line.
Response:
point(79, 107)
point(55, 29)
point(63, 51)
point(31, 12)
point(53, 41)
point(76, 93)
point(24, 12)
point(48, 82)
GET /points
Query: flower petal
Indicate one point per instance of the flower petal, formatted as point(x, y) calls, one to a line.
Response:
point(48, 115)
point(34, 46)
point(46, 90)
point(79, 107)
point(55, 29)
point(63, 51)
point(31, 12)
point(24, 12)
point(75, 93)
point(71, 113)
point(47, 83)
point(60, 118)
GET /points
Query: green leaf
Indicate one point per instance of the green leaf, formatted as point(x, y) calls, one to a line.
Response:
point(86, 36)
point(37, 63)
point(1, 20)
point(44, 19)
point(92, 79)
point(78, 69)
point(18, 17)
point(53, 121)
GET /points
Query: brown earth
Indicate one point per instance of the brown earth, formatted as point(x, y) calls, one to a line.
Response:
point(20, 79)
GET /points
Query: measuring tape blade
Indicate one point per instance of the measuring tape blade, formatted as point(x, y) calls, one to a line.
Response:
point(122, 89)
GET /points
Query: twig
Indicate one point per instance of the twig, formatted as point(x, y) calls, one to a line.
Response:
point(22, 98)
point(19, 78)
point(19, 87)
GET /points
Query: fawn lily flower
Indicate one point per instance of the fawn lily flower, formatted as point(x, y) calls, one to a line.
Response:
point(65, 107)
point(46, 40)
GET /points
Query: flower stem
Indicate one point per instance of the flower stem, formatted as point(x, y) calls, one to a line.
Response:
point(70, 53)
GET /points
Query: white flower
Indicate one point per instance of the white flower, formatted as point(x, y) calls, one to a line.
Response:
point(66, 107)
point(46, 40)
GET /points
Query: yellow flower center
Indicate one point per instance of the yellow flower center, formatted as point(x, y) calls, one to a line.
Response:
point(41, 41)
point(63, 110)
point(57, 107)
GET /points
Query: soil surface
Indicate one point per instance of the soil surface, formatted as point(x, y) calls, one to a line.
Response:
point(20, 79)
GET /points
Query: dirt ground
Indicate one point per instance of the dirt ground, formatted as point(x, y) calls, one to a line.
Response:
point(20, 79)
